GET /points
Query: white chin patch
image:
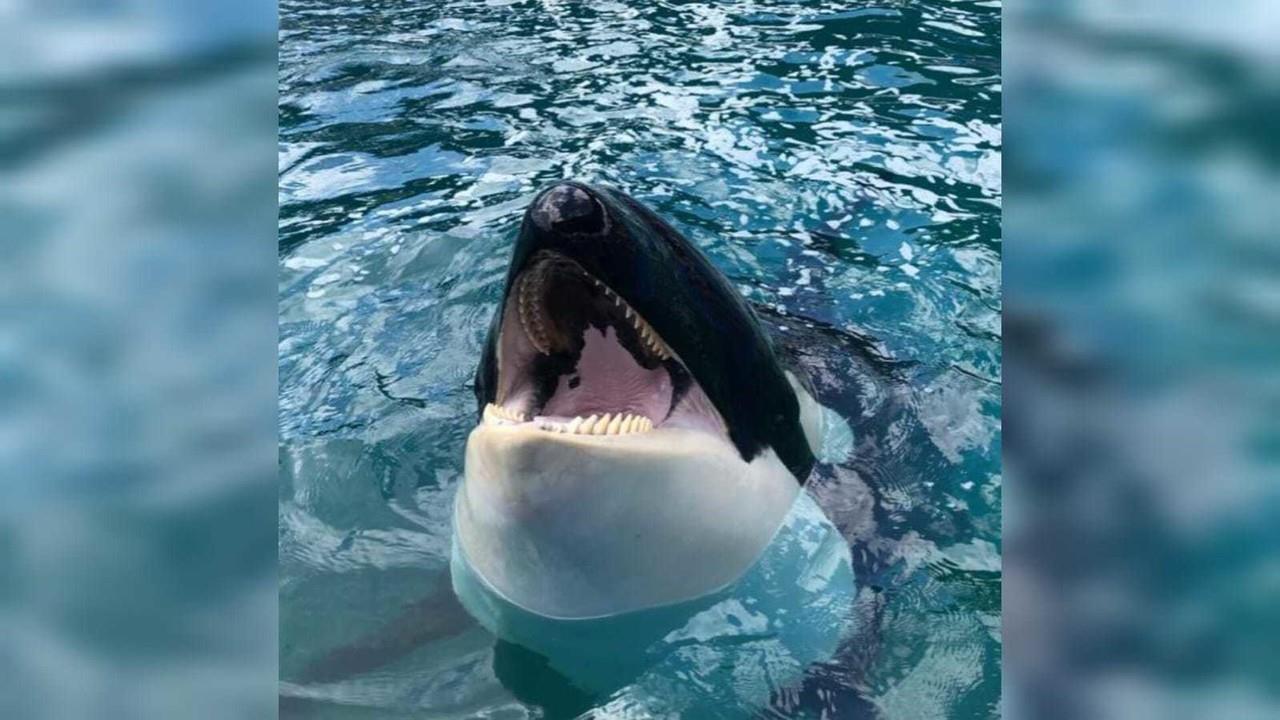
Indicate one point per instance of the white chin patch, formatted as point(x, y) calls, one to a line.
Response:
point(581, 526)
point(794, 606)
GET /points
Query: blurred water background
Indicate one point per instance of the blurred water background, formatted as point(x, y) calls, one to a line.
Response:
point(137, 360)
point(1142, 337)
point(841, 164)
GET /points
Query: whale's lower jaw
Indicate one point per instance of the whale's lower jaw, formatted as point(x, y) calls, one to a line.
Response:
point(580, 526)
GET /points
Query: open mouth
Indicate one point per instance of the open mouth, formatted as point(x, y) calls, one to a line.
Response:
point(574, 357)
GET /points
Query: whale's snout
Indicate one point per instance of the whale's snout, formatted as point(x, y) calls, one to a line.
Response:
point(570, 209)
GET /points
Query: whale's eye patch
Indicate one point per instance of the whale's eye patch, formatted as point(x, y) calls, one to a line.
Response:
point(573, 349)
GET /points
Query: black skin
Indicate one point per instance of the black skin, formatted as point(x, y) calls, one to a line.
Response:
point(689, 302)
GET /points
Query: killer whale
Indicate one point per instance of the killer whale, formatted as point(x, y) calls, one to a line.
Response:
point(639, 456)
point(801, 585)
point(639, 442)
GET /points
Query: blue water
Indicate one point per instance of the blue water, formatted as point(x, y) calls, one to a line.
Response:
point(841, 165)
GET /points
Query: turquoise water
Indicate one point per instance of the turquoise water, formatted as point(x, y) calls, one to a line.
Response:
point(1141, 316)
point(841, 165)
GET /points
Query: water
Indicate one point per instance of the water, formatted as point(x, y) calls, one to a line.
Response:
point(841, 166)
point(137, 379)
point(1141, 371)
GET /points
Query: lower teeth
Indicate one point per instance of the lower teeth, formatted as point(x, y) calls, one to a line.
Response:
point(498, 414)
point(607, 424)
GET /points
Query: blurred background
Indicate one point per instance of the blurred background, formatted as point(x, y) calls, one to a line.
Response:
point(137, 359)
point(1142, 333)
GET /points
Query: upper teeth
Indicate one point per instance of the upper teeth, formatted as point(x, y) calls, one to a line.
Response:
point(645, 331)
point(529, 293)
point(527, 297)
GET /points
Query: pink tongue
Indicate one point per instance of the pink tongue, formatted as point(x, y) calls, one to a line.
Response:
point(611, 381)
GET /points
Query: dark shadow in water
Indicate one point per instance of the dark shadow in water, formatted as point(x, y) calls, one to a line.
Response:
point(529, 677)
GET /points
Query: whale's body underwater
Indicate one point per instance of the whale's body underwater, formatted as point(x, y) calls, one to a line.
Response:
point(640, 452)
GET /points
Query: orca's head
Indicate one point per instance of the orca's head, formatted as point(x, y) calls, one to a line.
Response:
point(638, 442)
point(610, 313)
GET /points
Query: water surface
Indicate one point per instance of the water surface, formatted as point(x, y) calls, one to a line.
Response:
point(840, 164)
